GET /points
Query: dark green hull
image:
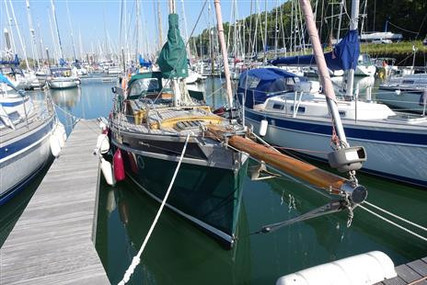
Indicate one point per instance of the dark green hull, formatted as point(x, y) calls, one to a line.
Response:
point(208, 196)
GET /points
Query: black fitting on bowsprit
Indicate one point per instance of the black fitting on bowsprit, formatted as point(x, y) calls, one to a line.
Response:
point(355, 192)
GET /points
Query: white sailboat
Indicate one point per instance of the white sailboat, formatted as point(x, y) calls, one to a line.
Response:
point(285, 110)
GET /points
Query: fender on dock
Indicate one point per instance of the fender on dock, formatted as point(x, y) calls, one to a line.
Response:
point(55, 145)
point(367, 268)
point(107, 171)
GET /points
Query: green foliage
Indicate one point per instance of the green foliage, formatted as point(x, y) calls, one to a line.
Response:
point(407, 17)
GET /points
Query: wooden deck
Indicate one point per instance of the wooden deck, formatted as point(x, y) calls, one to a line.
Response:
point(414, 272)
point(52, 241)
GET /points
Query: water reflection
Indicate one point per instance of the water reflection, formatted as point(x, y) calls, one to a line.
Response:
point(176, 246)
point(66, 98)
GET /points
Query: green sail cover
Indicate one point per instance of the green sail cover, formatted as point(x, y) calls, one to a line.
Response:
point(173, 56)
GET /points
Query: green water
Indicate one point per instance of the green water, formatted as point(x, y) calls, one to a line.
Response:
point(179, 253)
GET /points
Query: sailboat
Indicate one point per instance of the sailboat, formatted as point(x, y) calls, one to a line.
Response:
point(62, 77)
point(149, 126)
point(30, 134)
point(294, 114)
point(164, 137)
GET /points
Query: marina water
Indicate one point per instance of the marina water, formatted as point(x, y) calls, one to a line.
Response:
point(179, 253)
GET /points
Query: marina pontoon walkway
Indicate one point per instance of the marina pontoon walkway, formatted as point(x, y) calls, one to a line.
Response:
point(52, 241)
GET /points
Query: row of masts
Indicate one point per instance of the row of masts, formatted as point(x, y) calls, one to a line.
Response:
point(239, 43)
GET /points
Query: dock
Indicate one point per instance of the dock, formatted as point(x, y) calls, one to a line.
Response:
point(53, 240)
point(414, 272)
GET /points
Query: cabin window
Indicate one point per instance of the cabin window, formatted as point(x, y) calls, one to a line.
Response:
point(144, 85)
point(408, 82)
point(278, 106)
point(300, 109)
point(342, 113)
point(250, 82)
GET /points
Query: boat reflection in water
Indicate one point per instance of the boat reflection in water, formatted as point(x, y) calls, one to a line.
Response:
point(66, 101)
point(67, 98)
point(125, 215)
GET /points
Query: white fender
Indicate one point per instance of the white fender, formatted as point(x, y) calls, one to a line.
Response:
point(102, 144)
point(107, 170)
point(367, 268)
point(55, 146)
point(263, 128)
point(61, 134)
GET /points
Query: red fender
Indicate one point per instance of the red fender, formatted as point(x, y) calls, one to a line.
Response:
point(118, 166)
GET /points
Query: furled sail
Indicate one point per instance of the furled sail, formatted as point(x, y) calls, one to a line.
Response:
point(343, 57)
point(173, 56)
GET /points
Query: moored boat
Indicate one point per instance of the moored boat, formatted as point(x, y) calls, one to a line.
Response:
point(408, 92)
point(150, 125)
point(30, 135)
point(62, 78)
point(295, 116)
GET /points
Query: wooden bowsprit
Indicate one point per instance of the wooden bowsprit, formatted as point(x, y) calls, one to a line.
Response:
point(350, 192)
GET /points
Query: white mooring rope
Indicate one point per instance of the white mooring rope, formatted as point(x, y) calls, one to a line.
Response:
point(396, 216)
point(136, 260)
point(393, 223)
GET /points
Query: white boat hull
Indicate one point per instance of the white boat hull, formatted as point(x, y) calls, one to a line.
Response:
point(63, 83)
point(406, 162)
point(32, 152)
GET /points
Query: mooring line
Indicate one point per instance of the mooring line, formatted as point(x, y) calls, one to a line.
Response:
point(393, 223)
point(137, 259)
point(396, 216)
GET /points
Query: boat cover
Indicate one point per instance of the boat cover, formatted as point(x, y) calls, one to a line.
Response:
point(173, 56)
point(4, 79)
point(343, 57)
point(143, 62)
point(15, 61)
point(260, 83)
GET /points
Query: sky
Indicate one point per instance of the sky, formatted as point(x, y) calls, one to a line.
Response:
point(97, 26)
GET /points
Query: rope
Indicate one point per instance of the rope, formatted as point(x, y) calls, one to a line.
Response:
point(394, 224)
point(408, 31)
point(76, 119)
point(396, 216)
point(136, 260)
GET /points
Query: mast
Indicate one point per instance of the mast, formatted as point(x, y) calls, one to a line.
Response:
point(354, 22)
point(57, 29)
point(187, 39)
point(32, 32)
point(223, 51)
point(323, 71)
point(159, 18)
point(24, 49)
point(276, 41)
point(265, 33)
point(71, 30)
point(339, 20)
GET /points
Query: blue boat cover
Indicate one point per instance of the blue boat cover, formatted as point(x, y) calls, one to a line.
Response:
point(4, 79)
point(15, 61)
point(143, 62)
point(260, 83)
point(344, 55)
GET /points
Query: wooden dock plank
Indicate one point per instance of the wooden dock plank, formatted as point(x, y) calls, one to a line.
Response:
point(406, 273)
point(418, 266)
point(52, 241)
